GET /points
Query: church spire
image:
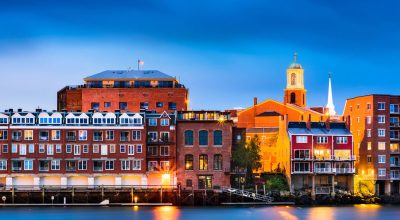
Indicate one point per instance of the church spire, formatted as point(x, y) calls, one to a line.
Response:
point(330, 106)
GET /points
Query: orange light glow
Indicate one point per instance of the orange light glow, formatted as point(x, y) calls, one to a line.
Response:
point(166, 179)
point(166, 213)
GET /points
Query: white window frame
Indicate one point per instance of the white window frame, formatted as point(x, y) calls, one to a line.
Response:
point(381, 119)
point(381, 103)
point(112, 149)
point(28, 135)
point(55, 135)
point(85, 148)
point(58, 148)
point(82, 135)
point(125, 165)
point(77, 149)
point(82, 164)
point(381, 172)
point(381, 158)
point(28, 164)
point(22, 149)
point(163, 120)
point(110, 162)
point(342, 140)
point(137, 165)
point(50, 149)
point(381, 132)
point(381, 145)
point(3, 165)
point(322, 139)
point(369, 132)
point(139, 148)
point(31, 148)
point(301, 139)
point(131, 149)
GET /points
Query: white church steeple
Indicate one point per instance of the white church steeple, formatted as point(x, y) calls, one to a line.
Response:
point(330, 106)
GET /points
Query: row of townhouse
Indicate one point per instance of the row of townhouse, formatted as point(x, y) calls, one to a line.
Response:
point(112, 149)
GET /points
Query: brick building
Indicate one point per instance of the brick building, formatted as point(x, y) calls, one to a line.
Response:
point(204, 144)
point(374, 122)
point(322, 157)
point(125, 90)
point(72, 149)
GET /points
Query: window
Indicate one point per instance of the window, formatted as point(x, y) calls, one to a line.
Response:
point(164, 122)
point(138, 148)
point(342, 154)
point(368, 106)
point(14, 148)
point(31, 148)
point(164, 150)
point(368, 132)
point(217, 162)
point(70, 165)
point(3, 134)
point(341, 140)
point(189, 183)
point(369, 147)
point(71, 136)
point(122, 148)
point(301, 167)
point(16, 165)
point(381, 145)
point(203, 137)
point(68, 149)
point(77, 150)
point(43, 135)
point(301, 139)
point(152, 136)
point(218, 137)
point(44, 165)
point(136, 135)
point(112, 148)
point(123, 106)
point(381, 172)
point(322, 154)
point(28, 135)
point(322, 140)
point(125, 164)
point(136, 165)
point(107, 104)
point(124, 136)
point(16, 136)
point(82, 164)
point(164, 136)
point(95, 106)
point(83, 135)
point(159, 105)
point(28, 164)
point(381, 106)
point(381, 132)
point(58, 148)
point(95, 148)
point(188, 162)
point(152, 150)
point(3, 164)
point(381, 119)
point(394, 108)
point(22, 149)
point(55, 165)
point(381, 158)
point(144, 105)
point(109, 135)
point(152, 122)
point(369, 120)
point(98, 136)
point(164, 165)
point(188, 137)
point(203, 162)
point(171, 105)
point(85, 148)
point(5, 148)
point(152, 165)
point(131, 149)
point(55, 135)
point(369, 159)
point(302, 154)
point(97, 165)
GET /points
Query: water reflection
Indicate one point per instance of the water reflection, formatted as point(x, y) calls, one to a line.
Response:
point(319, 213)
point(166, 213)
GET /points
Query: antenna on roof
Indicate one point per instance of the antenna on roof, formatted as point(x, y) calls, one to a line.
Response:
point(139, 63)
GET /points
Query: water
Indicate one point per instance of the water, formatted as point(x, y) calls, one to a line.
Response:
point(364, 212)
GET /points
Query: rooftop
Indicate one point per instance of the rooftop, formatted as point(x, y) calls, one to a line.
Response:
point(130, 74)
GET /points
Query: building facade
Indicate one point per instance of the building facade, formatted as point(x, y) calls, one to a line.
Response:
point(322, 157)
point(204, 145)
point(125, 90)
point(374, 122)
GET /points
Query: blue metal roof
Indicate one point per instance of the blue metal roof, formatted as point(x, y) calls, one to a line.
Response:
point(318, 129)
point(130, 74)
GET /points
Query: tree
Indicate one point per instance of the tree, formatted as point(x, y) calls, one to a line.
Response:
point(247, 156)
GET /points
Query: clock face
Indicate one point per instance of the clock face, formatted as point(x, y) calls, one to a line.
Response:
point(293, 79)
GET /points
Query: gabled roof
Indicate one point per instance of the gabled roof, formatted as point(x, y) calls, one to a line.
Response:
point(129, 74)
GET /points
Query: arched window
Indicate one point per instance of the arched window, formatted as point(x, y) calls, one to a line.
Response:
point(293, 79)
point(218, 137)
point(188, 162)
point(203, 162)
point(203, 137)
point(292, 98)
point(188, 137)
point(217, 162)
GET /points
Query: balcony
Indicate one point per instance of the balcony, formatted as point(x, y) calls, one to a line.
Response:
point(394, 124)
point(353, 157)
point(394, 164)
point(321, 158)
point(344, 170)
point(71, 138)
point(395, 151)
point(164, 140)
point(395, 176)
point(301, 171)
point(16, 138)
point(323, 170)
point(301, 159)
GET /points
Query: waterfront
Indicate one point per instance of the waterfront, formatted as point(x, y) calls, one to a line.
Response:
point(194, 213)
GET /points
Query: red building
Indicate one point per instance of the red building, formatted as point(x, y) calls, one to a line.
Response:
point(125, 90)
point(322, 157)
point(204, 144)
point(72, 149)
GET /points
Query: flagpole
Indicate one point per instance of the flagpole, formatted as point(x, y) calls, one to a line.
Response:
point(138, 64)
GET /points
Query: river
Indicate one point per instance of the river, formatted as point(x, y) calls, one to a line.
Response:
point(363, 212)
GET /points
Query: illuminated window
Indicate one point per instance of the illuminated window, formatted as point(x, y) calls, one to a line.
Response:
point(55, 135)
point(203, 162)
point(369, 119)
point(188, 162)
point(322, 154)
point(28, 135)
point(368, 132)
point(394, 148)
point(342, 154)
point(369, 147)
point(301, 139)
point(381, 145)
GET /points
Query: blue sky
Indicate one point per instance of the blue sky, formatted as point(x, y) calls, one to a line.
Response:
point(226, 52)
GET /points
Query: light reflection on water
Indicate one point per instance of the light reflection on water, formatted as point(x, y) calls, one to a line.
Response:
point(364, 212)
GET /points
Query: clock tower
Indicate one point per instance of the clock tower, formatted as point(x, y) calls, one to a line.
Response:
point(294, 91)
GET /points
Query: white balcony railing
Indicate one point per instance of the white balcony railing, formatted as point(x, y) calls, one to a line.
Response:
point(323, 170)
point(301, 171)
point(345, 170)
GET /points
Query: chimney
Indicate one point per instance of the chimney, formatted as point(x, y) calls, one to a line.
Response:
point(19, 110)
point(255, 100)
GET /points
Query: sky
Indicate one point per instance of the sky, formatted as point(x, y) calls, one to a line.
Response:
point(226, 52)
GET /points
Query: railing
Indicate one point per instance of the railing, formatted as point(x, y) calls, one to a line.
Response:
point(121, 187)
point(323, 157)
point(323, 170)
point(301, 171)
point(71, 138)
point(247, 194)
point(160, 140)
point(353, 157)
point(177, 85)
point(344, 170)
point(16, 138)
point(304, 158)
point(322, 190)
point(124, 139)
point(396, 151)
point(395, 124)
point(394, 165)
point(395, 176)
